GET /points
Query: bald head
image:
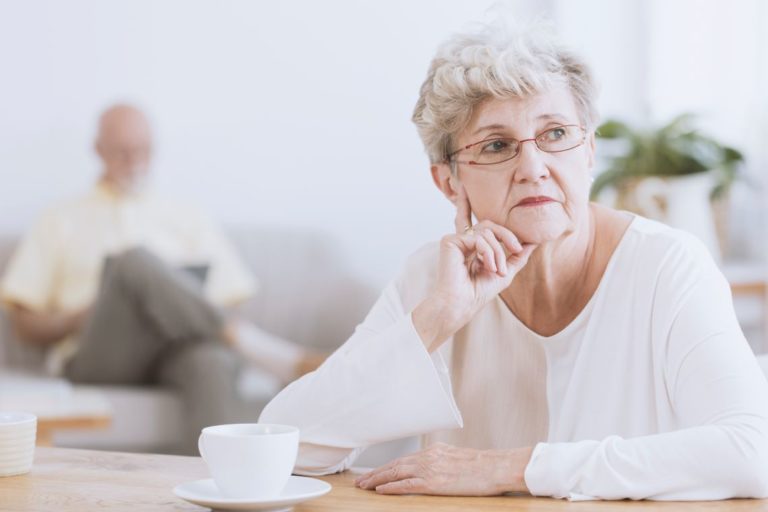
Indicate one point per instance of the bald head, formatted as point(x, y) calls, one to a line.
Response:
point(124, 144)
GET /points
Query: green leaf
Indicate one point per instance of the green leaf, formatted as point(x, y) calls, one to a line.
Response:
point(612, 129)
point(610, 177)
point(674, 149)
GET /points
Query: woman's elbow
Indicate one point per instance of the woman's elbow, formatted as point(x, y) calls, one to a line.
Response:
point(752, 473)
point(755, 475)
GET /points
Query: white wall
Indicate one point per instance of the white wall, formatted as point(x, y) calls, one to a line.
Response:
point(294, 112)
point(612, 37)
point(291, 112)
point(711, 58)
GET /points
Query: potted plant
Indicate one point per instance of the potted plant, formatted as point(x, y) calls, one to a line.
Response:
point(670, 174)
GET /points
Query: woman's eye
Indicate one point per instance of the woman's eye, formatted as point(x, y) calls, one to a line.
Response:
point(495, 146)
point(555, 134)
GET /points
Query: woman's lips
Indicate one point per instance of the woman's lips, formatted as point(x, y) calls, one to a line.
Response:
point(534, 201)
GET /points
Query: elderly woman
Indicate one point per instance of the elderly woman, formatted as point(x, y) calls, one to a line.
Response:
point(553, 346)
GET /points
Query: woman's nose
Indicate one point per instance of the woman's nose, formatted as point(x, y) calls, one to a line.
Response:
point(530, 166)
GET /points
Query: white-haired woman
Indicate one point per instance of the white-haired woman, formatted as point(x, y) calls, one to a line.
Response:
point(553, 346)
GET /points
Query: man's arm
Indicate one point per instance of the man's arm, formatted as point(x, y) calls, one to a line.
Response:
point(44, 329)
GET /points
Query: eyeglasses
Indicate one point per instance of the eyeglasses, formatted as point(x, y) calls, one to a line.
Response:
point(498, 150)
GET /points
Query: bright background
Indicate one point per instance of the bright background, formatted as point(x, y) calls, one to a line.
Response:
point(297, 112)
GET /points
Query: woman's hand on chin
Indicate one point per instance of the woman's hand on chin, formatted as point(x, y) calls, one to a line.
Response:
point(476, 264)
point(450, 471)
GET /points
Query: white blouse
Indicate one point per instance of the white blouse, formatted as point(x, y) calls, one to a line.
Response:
point(651, 392)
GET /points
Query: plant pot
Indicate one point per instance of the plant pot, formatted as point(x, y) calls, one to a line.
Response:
point(682, 202)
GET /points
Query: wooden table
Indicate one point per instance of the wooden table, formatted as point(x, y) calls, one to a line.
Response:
point(750, 279)
point(57, 404)
point(47, 426)
point(82, 480)
point(81, 410)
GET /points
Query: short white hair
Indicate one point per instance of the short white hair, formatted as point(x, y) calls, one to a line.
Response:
point(499, 60)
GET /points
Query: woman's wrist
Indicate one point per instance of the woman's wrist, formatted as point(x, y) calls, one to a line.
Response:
point(436, 320)
point(509, 469)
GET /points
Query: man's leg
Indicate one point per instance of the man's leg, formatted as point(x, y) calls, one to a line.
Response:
point(283, 359)
point(205, 376)
point(143, 310)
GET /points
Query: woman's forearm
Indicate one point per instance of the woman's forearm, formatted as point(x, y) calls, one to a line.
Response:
point(381, 372)
point(435, 322)
point(709, 462)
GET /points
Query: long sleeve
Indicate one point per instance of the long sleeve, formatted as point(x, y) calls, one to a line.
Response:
point(381, 385)
point(718, 393)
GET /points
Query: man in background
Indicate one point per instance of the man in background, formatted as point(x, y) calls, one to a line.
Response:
point(128, 289)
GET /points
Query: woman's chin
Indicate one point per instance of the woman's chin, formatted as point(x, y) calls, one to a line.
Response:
point(538, 225)
point(538, 232)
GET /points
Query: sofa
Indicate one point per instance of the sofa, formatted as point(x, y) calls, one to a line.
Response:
point(306, 294)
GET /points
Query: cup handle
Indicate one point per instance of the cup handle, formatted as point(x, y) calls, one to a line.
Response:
point(200, 446)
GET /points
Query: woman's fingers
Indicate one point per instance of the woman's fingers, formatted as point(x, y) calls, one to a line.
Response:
point(393, 474)
point(473, 234)
point(487, 247)
point(463, 211)
point(485, 253)
point(407, 486)
point(491, 247)
point(521, 258)
point(498, 251)
point(389, 465)
point(506, 236)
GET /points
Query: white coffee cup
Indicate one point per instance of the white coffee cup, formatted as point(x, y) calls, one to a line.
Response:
point(17, 442)
point(250, 460)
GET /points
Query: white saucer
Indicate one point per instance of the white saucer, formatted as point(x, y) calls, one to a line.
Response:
point(206, 494)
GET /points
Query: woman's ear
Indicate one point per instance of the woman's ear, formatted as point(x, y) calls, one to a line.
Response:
point(445, 180)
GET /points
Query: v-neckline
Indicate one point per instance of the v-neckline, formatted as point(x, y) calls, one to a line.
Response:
point(584, 312)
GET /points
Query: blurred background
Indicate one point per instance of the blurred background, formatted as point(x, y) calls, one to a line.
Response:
point(296, 114)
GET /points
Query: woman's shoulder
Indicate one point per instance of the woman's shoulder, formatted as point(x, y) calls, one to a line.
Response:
point(653, 238)
point(660, 254)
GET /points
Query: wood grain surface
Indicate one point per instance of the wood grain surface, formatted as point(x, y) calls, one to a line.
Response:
point(67, 480)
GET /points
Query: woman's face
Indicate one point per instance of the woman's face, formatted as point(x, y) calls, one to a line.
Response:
point(539, 196)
